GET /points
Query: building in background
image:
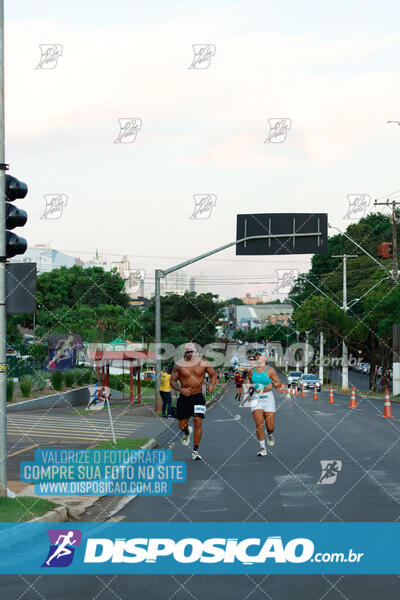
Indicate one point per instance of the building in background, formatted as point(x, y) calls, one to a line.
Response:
point(134, 278)
point(250, 317)
point(175, 283)
point(97, 261)
point(47, 259)
point(249, 299)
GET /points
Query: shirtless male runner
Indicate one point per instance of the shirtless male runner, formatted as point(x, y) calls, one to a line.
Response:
point(190, 372)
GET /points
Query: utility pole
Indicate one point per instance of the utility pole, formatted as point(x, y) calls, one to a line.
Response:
point(345, 357)
point(297, 341)
point(395, 277)
point(321, 358)
point(306, 354)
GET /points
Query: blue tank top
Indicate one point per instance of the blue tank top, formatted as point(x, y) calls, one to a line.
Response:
point(261, 380)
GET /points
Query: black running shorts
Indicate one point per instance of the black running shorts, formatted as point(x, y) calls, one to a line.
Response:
point(190, 406)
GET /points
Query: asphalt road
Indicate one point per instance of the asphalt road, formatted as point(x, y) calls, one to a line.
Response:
point(233, 484)
point(359, 380)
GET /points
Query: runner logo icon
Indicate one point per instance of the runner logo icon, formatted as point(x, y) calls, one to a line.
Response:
point(62, 547)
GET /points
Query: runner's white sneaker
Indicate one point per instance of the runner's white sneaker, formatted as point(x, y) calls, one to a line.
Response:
point(271, 440)
point(195, 455)
point(262, 452)
point(186, 437)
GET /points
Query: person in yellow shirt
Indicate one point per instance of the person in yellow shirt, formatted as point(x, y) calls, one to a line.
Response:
point(165, 392)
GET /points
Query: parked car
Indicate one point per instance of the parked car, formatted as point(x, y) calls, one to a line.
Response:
point(309, 381)
point(366, 368)
point(294, 377)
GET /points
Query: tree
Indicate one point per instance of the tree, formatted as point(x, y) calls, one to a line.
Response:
point(191, 317)
point(366, 327)
point(104, 325)
point(235, 301)
point(78, 286)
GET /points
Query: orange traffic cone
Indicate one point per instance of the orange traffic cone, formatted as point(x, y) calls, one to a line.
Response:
point(296, 392)
point(331, 398)
point(315, 396)
point(353, 401)
point(291, 390)
point(387, 409)
point(303, 394)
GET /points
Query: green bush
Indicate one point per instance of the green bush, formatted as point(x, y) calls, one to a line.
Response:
point(26, 384)
point(69, 378)
point(85, 376)
point(56, 379)
point(38, 352)
point(40, 379)
point(10, 389)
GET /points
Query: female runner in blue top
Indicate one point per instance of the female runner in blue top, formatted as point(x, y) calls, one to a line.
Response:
point(263, 379)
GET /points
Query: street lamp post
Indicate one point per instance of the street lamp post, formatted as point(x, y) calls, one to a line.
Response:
point(162, 273)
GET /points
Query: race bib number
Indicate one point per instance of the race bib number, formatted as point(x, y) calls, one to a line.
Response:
point(200, 409)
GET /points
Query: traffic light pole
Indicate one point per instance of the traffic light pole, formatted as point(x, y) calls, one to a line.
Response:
point(157, 294)
point(3, 373)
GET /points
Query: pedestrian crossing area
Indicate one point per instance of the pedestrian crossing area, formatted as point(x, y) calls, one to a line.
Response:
point(68, 428)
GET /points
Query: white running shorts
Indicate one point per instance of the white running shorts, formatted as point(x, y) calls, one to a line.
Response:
point(265, 402)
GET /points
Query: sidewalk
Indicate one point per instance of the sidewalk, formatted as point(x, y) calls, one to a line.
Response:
point(73, 507)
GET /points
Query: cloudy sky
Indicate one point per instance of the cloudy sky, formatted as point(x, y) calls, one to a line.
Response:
point(331, 68)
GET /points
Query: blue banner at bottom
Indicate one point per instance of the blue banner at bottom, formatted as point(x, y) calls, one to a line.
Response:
point(212, 548)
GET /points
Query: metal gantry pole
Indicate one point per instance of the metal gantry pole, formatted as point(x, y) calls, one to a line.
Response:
point(3, 373)
point(345, 357)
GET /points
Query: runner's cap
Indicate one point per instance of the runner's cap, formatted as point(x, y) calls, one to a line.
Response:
point(190, 346)
point(261, 352)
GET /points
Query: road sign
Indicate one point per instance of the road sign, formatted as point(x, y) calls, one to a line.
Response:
point(291, 233)
point(21, 288)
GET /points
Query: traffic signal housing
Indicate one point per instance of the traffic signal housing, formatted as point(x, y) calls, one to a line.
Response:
point(15, 217)
point(384, 250)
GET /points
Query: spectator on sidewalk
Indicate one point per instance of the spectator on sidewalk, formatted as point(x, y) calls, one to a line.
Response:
point(165, 392)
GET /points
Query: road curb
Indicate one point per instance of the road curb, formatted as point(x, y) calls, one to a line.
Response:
point(66, 511)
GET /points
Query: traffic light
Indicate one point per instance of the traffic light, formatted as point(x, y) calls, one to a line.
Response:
point(384, 250)
point(15, 217)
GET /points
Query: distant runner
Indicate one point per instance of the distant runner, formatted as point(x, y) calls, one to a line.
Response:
point(190, 372)
point(239, 380)
point(263, 379)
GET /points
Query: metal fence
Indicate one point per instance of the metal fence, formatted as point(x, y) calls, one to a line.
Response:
point(18, 368)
